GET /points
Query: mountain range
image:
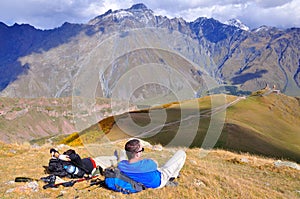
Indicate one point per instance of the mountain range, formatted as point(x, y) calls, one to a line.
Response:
point(85, 78)
point(126, 44)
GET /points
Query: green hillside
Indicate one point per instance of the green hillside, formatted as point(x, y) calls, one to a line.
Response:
point(267, 125)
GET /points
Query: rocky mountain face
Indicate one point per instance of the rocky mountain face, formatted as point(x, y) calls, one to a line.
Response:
point(131, 53)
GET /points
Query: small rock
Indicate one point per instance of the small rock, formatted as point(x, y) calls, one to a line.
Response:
point(13, 151)
point(157, 148)
point(267, 184)
point(35, 146)
point(244, 160)
point(199, 183)
point(293, 165)
point(61, 146)
point(193, 162)
point(33, 185)
point(10, 182)
point(145, 144)
point(10, 190)
point(28, 187)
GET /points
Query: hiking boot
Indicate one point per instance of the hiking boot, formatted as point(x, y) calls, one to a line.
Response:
point(49, 179)
point(97, 170)
point(172, 184)
point(172, 179)
point(100, 169)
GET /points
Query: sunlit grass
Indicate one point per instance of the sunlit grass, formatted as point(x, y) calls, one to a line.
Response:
point(220, 174)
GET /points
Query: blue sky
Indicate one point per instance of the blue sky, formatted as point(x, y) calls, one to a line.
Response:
point(47, 14)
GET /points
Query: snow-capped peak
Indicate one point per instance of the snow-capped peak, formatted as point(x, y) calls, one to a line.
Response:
point(121, 14)
point(237, 23)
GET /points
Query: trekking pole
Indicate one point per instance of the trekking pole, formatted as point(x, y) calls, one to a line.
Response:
point(68, 183)
point(25, 179)
point(93, 183)
point(49, 179)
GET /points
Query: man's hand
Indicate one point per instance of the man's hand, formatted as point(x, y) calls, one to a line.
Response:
point(54, 153)
point(64, 157)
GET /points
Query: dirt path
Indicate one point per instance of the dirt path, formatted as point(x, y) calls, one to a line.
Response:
point(203, 114)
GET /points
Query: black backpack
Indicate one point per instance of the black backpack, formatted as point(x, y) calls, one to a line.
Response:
point(56, 167)
point(60, 168)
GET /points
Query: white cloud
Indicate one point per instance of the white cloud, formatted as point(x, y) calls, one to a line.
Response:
point(53, 13)
point(278, 15)
point(253, 13)
point(272, 3)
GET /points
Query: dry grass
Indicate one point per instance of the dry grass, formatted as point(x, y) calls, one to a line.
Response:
point(219, 174)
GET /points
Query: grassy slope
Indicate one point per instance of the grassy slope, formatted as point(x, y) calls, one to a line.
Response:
point(220, 174)
point(266, 125)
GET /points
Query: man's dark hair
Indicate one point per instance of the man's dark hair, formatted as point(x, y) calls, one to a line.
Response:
point(132, 146)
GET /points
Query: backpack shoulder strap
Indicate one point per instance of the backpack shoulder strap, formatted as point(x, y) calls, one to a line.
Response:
point(116, 173)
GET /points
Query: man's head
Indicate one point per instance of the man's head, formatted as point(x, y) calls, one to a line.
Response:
point(133, 149)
